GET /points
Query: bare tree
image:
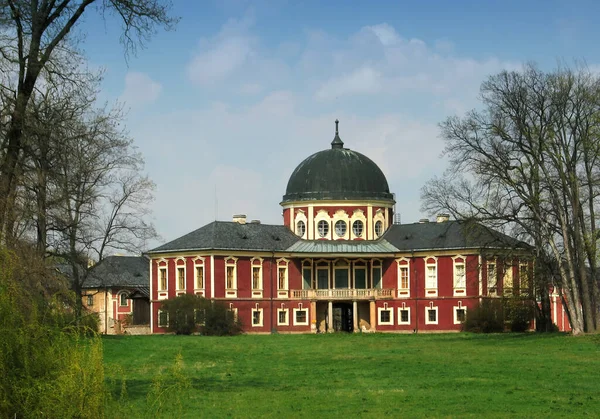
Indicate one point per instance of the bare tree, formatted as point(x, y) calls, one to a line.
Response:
point(529, 159)
point(32, 32)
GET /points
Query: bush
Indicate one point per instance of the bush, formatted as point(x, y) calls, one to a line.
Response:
point(190, 313)
point(519, 313)
point(486, 317)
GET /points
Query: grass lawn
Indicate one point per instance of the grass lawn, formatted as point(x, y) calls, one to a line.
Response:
point(344, 375)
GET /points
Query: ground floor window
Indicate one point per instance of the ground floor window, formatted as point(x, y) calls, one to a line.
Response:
point(123, 299)
point(300, 317)
point(460, 315)
point(90, 300)
point(404, 316)
point(257, 317)
point(163, 318)
point(386, 316)
point(200, 316)
point(431, 315)
point(282, 317)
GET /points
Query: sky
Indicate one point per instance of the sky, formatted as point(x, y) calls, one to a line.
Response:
point(224, 107)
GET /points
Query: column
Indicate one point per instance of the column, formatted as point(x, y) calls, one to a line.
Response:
point(373, 316)
point(355, 316)
point(313, 316)
point(330, 317)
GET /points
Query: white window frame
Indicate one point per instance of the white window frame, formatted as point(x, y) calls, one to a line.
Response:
point(458, 261)
point(283, 292)
point(158, 319)
point(177, 268)
point(340, 215)
point(379, 217)
point(508, 276)
point(300, 216)
point(298, 310)
point(323, 215)
point(455, 311)
point(403, 264)
point(256, 263)
point(437, 314)
point(166, 271)
point(199, 264)
point(400, 309)
point(120, 296)
point(429, 290)
point(358, 215)
point(287, 316)
point(231, 262)
point(259, 310)
point(381, 310)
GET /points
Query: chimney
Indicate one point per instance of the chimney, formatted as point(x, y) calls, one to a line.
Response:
point(255, 222)
point(423, 220)
point(442, 218)
point(239, 218)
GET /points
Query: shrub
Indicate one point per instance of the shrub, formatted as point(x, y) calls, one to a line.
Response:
point(486, 317)
point(190, 313)
point(519, 313)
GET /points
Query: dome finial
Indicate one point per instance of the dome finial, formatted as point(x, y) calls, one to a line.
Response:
point(337, 141)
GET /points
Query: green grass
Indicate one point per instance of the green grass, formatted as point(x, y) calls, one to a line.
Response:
point(344, 375)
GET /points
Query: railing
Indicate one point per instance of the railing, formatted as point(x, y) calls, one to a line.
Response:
point(343, 294)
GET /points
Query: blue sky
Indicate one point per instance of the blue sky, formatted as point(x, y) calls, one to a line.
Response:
point(225, 107)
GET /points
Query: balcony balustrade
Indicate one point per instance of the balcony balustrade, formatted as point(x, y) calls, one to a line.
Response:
point(343, 294)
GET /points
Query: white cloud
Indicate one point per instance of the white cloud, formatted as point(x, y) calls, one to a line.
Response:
point(140, 89)
point(363, 80)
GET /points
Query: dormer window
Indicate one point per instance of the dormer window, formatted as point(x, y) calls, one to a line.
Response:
point(378, 228)
point(357, 228)
point(340, 228)
point(323, 228)
point(300, 228)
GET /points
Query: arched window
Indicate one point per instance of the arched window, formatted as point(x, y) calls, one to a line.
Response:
point(323, 228)
point(340, 228)
point(358, 228)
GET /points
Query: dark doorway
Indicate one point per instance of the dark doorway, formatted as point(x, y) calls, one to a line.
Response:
point(342, 317)
point(141, 311)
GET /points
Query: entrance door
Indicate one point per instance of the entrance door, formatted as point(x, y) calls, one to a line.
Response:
point(342, 317)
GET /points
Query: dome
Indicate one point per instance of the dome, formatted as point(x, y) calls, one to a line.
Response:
point(337, 174)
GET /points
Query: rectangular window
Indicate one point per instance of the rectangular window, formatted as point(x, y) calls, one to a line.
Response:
point(403, 316)
point(341, 278)
point(200, 277)
point(460, 315)
point(162, 283)
point(431, 315)
point(507, 280)
point(524, 279)
point(323, 278)
point(459, 276)
point(257, 317)
point(163, 318)
point(300, 317)
point(376, 276)
point(282, 278)
point(431, 279)
point(306, 278)
point(404, 277)
point(491, 278)
point(123, 299)
point(230, 277)
point(386, 316)
point(360, 278)
point(256, 278)
point(282, 317)
point(180, 278)
point(200, 316)
point(90, 300)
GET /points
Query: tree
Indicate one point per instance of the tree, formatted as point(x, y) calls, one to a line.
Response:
point(529, 160)
point(34, 33)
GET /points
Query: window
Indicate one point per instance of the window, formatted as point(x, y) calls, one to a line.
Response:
point(256, 278)
point(282, 278)
point(90, 300)
point(360, 275)
point(300, 317)
point(340, 228)
point(431, 279)
point(341, 273)
point(162, 275)
point(459, 273)
point(163, 318)
point(323, 228)
point(180, 278)
point(507, 280)
point(357, 228)
point(282, 317)
point(230, 277)
point(404, 315)
point(200, 277)
point(378, 228)
point(300, 228)
point(431, 314)
point(492, 278)
point(257, 317)
point(404, 277)
point(386, 315)
point(460, 315)
point(306, 277)
point(376, 274)
point(524, 279)
point(323, 278)
point(123, 299)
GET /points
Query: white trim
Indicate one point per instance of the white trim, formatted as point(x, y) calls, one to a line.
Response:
point(458, 261)
point(454, 311)
point(178, 277)
point(158, 320)
point(400, 309)
point(379, 216)
point(300, 216)
point(231, 262)
point(381, 310)
point(358, 215)
point(298, 310)
point(437, 314)
point(429, 290)
point(283, 292)
point(257, 292)
point(287, 316)
point(508, 276)
point(340, 215)
point(119, 297)
point(492, 291)
point(151, 297)
point(323, 215)
point(260, 310)
point(212, 276)
point(310, 225)
point(403, 264)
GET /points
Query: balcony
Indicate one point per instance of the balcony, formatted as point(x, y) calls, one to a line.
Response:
point(343, 294)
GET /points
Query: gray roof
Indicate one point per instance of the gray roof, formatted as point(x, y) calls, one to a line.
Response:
point(448, 235)
point(342, 246)
point(227, 235)
point(123, 271)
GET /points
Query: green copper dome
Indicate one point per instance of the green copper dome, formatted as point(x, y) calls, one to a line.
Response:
point(337, 174)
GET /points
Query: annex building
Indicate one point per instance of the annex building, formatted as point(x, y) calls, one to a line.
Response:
point(339, 262)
